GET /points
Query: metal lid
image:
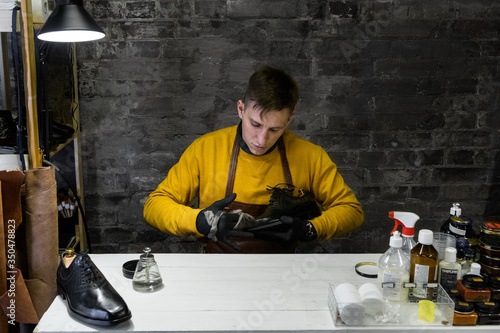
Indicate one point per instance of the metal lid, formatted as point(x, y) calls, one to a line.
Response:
point(464, 307)
point(492, 228)
point(488, 307)
point(128, 268)
point(147, 255)
point(474, 282)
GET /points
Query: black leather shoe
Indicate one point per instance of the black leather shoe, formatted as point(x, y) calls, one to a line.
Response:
point(284, 202)
point(90, 297)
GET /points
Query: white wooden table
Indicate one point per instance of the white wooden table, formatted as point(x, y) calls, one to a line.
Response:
point(230, 293)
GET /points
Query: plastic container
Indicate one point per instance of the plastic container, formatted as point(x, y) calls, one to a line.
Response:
point(401, 314)
point(394, 270)
point(442, 241)
point(423, 263)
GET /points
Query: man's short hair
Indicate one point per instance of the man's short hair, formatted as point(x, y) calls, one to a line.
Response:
point(272, 89)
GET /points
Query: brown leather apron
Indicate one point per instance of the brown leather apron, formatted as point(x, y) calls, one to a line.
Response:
point(251, 245)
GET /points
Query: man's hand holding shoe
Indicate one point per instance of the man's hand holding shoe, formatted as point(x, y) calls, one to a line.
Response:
point(218, 225)
point(285, 230)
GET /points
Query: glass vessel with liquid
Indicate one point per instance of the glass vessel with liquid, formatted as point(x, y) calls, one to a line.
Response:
point(147, 276)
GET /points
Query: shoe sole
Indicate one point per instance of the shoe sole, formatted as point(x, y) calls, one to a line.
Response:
point(75, 315)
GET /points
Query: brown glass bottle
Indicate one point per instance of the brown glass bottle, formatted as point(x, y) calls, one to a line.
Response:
point(423, 263)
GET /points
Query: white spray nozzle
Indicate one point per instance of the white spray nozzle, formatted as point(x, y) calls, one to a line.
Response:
point(407, 220)
point(455, 210)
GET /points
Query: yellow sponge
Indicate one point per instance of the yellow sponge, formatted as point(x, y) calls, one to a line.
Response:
point(426, 310)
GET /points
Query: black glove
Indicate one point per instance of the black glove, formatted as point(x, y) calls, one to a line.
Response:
point(285, 230)
point(219, 225)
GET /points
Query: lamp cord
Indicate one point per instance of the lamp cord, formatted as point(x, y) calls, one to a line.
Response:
point(15, 53)
point(84, 219)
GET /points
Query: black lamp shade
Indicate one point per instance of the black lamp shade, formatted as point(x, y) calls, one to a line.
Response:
point(70, 22)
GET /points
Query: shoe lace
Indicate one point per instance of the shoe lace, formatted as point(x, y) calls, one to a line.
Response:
point(89, 273)
point(279, 191)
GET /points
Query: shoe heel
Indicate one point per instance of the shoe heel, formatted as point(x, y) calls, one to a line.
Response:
point(60, 291)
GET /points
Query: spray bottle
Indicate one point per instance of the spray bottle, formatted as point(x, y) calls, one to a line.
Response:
point(394, 271)
point(407, 220)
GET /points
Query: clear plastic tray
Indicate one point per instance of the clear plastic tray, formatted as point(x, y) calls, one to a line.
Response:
point(397, 313)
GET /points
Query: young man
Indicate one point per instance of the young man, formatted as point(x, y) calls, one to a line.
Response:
point(233, 168)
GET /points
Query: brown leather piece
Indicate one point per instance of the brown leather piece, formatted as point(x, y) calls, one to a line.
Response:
point(41, 236)
point(12, 182)
point(24, 311)
point(254, 210)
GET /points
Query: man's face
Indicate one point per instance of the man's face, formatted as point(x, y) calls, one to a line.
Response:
point(261, 133)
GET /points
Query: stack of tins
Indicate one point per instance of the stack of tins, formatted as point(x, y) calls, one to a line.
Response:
point(489, 256)
point(489, 248)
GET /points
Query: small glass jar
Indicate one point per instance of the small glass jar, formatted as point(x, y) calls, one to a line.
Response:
point(147, 277)
point(464, 314)
point(473, 288)
point(488, 313)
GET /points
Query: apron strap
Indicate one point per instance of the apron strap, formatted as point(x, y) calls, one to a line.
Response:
point(232, 168)
point(284, 162)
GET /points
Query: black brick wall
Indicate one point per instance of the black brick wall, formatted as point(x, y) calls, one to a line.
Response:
point(403, 95)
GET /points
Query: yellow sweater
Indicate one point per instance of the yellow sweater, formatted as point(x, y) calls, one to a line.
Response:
point(204, 168)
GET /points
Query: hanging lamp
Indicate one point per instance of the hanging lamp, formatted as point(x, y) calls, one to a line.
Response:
point(70, 22)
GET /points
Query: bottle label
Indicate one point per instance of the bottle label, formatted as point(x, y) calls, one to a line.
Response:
point(420, 277)
point(456, 231)
point(421, 274)
point(449, 278)
point(389, 293)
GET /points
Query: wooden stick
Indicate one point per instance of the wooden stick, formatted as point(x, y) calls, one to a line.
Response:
point(34, 153)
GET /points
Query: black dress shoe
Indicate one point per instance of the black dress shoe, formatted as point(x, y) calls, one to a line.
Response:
point(90, 297)
point(284, 202)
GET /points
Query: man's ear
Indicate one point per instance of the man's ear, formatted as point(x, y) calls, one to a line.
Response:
point(240, 106)
point(290, 119)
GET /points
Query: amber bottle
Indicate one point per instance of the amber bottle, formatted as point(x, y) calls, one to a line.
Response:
point(423, 263)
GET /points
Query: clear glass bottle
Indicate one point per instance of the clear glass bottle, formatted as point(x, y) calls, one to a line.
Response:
point(423, 263)
point(394, 270)
point(147, 276)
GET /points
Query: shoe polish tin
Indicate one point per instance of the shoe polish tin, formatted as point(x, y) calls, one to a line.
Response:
point(128, 268)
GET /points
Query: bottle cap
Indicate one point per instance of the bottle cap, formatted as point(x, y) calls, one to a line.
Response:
point(396, 240)
point(475, 269)
point(450, 254)
point(425, 236)
point(455, 209)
